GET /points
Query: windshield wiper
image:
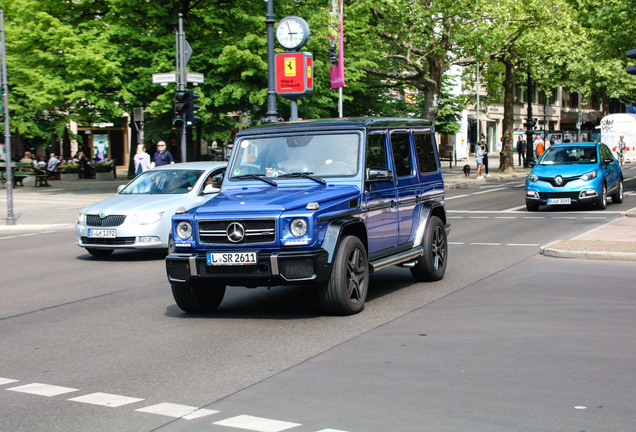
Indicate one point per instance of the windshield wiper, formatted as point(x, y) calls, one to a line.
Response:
point(306, 175)
point(255, 177)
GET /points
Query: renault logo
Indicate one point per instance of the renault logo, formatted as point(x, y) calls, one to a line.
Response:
point(558, 180)
point(235, 232)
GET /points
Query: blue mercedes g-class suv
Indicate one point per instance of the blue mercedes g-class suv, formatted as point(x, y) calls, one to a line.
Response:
point(321, 203)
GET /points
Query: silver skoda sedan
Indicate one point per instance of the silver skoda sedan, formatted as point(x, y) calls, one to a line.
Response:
point(139, 215)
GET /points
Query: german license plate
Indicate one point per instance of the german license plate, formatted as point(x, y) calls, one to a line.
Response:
point(102, 233)
point(558, 200)
point(231, 258)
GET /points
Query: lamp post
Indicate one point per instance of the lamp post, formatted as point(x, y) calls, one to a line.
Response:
point(270, 19)
point(529, 124)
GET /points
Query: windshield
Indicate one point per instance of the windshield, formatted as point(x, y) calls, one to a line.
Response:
point(326, 155)
point(163, 182)
point(569, 155)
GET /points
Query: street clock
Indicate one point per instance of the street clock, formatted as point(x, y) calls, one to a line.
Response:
point(292, 32)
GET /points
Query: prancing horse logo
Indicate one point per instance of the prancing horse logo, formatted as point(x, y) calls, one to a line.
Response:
point(235, 232)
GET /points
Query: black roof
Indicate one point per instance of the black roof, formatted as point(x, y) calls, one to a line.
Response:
point(357, 123)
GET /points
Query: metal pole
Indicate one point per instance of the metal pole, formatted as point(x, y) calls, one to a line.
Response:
point(478, 136)
point(579, 119)
point(294, 109)
point(340, 102)
point(270, 19)
point(7, 126)
point(529, 160)
point(181, 74)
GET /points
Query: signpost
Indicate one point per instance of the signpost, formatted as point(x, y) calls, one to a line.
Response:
point(181, 77)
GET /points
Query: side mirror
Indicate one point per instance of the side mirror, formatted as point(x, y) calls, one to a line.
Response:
point(217, 181)
point(120, 188)
point(608, 161)
point(375, 175)
point(210, 189)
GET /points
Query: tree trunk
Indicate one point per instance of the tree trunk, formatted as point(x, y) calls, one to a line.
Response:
point(506, 161)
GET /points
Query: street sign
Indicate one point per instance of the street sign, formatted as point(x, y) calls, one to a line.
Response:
point(188, 51)
point(162, 78)
point(194, 77)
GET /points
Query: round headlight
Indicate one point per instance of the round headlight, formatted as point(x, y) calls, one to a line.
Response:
point(184, 230)
point(298, 227)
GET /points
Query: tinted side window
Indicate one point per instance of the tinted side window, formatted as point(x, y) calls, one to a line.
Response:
point(425, 152)
point(376, 152)
point(401, 153)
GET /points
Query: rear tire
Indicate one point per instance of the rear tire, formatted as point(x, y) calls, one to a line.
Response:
point(100, 253)
point(195, 298)
point(346, 290)
point(617, 198)
point(431, 266)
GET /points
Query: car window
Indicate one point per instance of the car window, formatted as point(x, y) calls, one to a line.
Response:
point(376, 152)
point(400, 145)
point(425, 152)
point(162, 182)
point(561, 155)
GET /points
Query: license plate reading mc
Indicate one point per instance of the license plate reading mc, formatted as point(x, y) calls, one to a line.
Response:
point(559, 201)
point(231, 258)
point(102, 233)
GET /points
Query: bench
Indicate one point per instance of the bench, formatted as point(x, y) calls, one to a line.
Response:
point(26, 169)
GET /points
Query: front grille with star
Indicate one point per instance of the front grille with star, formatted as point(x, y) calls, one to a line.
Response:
point(255, 231)
point(108, 221)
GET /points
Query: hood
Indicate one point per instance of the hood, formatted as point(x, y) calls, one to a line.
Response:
point(275, 199)
point(566, 170)
point(128, 204)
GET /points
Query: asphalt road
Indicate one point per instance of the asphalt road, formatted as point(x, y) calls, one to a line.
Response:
point(508, 340)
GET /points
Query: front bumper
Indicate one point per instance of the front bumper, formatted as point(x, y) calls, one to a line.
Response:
point(272, 268)
point(126, 237)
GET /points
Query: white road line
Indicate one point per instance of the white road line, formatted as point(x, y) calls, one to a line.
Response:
point(42, 389)
point(456, 243)
point(486, 244)
point(257, 424)
point(521, 207)
point(523, 244)
point(106, 399)
point(456, 196)
point(4, 381)
point(564, 217)
point(177, 411)
point(489, 190)
point(505, 217)
point(478, 217)
point(331, 430)
point(534, 217)
point(595, 217)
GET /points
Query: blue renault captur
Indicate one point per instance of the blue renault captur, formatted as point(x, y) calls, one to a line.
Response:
point(319, 203)
point(575, 173)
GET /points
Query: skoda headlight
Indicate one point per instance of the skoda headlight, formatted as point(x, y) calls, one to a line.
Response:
point(533, 178)
point(184, 230)
point(589, 176)
point(81, 218)
point(298, 227)
point(146, 218)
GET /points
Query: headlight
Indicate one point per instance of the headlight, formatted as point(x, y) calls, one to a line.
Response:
point(589, 176)
point(298, 227)
point(146, 218)
point(184, 230)
point(533, 178)
point(81, 219)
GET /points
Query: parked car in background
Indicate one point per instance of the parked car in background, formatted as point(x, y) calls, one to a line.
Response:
point(575, 173)
point(138, 216)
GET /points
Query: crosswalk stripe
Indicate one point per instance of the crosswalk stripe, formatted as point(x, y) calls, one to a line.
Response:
point(42, 389)
point(106, 399)
point(177, 411)
point(4, 381)
point(257, 424)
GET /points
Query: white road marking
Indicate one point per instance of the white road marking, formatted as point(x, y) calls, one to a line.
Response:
point(257, 424)
point(106, 399)
point(4, 381)
point(486, 191)
point(486, 244)
point(505, 217)
point(42, 389)
point(521, 207)
point(177, 411)
point(523, 244)
point(331, 430)
point(457, 196)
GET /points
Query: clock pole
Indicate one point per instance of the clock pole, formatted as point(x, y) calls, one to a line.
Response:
point(272, 114)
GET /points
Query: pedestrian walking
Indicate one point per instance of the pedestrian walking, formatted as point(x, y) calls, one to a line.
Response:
point(141, 160)
point(161, 156)
point(521, 149)
point(485, 147)
point(621, 149)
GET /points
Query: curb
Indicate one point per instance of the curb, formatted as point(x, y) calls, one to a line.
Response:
point(594, 255)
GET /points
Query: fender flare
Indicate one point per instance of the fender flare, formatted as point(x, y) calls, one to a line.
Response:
point(427, 210)
point(334, 233)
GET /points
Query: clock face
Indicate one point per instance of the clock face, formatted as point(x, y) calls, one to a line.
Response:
point(292, 32)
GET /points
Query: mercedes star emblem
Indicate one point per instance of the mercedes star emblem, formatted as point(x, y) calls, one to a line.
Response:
point(235, 232)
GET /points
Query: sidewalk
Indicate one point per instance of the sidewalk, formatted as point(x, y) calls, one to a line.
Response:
point(40, 208)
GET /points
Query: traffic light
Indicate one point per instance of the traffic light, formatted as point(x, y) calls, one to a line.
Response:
point(191, 107)
point(632, 55)
point(180, 108)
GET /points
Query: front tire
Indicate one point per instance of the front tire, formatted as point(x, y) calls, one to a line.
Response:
point(602, 201)
point(100, 253)
point(195, 298)
point(431, 266)
point(346, 290)
point(617, 198)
